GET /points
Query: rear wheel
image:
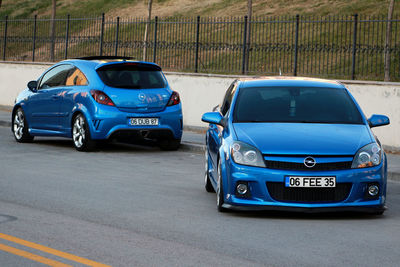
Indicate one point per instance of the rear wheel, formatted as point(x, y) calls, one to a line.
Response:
point(170, 144)
point(81, 134)
point(207, 182)
point(20, 127)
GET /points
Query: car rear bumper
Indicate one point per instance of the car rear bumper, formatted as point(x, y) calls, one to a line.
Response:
point(110, 122)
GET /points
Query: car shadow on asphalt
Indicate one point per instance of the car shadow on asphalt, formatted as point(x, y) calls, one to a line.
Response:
point(290, 215)
point(112, 146)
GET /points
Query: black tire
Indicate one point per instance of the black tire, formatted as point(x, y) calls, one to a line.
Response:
point(220, 191)
point(20, 127)
point(207, 183)
point(169, 144)
point(81, 134)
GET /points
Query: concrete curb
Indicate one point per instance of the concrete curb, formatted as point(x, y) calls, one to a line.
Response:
point(192, 147)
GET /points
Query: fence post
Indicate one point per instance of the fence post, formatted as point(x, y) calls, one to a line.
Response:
point(353, 64)
point(244, 46)
point(34, 38)
point(102, 34)
point(5, 39)
point(296, 45)
point(116, 37)
point(196, 60)
point(66, 37)
point(155, 39)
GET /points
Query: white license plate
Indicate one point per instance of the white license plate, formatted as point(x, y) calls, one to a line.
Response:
point(298, 181)
point(143, 121)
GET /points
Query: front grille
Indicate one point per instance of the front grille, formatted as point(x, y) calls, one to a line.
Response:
point(331, 166)
point(279, 192)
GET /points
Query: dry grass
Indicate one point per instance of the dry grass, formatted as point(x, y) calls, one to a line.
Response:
point(190, 8)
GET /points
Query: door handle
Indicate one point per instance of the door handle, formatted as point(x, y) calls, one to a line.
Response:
point(55, 97)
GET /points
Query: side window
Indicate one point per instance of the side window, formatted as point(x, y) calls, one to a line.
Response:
point(226, 104)
point(55, 77)
point(76, 77)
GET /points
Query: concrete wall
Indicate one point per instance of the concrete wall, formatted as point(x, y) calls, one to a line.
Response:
point(200, 93)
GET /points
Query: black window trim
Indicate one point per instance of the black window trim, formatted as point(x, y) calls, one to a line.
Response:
point(53, 67)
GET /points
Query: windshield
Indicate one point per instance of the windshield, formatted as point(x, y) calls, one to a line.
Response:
point(296, 104)
point(132, 76)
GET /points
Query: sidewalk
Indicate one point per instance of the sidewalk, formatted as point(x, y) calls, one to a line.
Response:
point(195, 142)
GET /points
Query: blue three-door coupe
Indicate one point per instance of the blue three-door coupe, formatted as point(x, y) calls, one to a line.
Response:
point(294, 144)
point(98, 98)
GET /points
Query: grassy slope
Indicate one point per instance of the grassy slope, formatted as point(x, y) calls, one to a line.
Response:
point(137, 8)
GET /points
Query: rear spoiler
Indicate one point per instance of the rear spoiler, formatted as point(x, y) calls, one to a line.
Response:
point(138, 64)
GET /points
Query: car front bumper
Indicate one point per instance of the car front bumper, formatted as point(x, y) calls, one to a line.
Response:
point(261, 196)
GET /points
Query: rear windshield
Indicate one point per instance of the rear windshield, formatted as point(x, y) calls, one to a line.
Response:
point(296, 104)
point(132, 76)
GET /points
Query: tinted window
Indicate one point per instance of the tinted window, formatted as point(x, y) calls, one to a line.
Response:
point(76, 77)
point(55, 77)
point(135, 76)
point(228, 99)
point(293, 104)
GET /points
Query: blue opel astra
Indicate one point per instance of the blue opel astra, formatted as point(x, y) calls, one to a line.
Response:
point(99, 98)
point(292, 143)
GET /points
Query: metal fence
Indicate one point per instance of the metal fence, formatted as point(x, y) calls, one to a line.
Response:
point(342, 47)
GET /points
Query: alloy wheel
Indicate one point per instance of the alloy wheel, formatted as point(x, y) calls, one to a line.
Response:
point(78, 131)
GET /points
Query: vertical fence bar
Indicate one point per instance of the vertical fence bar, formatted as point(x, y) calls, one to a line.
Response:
point(244, 45)
point(116, 37)
point(196, 60)
point(102, 34)
point(353, 64)
point(66, 37)
point(155, 39)
point(296, 45)
point(34, 38)
point(5, 38)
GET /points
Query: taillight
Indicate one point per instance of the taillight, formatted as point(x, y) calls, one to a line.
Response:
point(174, 99)
point(101, 97)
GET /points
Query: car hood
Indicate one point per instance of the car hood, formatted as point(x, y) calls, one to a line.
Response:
point(304, 138)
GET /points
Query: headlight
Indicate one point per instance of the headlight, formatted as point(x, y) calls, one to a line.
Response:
point(368, 156)
point(245, 154)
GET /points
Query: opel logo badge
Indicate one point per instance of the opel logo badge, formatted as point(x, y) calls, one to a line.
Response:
point(309, 162)
point(142, 97)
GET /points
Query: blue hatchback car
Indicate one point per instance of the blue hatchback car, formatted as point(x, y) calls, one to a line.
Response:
point(292, 143)
point(98, 98)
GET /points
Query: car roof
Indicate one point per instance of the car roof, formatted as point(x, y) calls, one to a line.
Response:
point(94, 63)
point(288, 81)
point(89, 65)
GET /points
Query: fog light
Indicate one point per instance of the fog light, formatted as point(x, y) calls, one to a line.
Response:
point(373, 190)
point(241, 189)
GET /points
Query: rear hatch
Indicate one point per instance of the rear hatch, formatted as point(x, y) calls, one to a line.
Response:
point(134, 86)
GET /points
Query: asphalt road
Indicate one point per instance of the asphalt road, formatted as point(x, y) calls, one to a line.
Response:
point(138, 206)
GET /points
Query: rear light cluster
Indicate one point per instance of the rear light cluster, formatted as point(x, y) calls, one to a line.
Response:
point(174, 99)
point(101, 97)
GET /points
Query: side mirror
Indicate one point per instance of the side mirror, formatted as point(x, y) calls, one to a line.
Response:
point(378, 120)
point(32, 85)
point(214, 118)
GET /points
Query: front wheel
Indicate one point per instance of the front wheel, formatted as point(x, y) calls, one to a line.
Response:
point(81, 134)
point(20, 127)
point(220, 190)
point(207, 183)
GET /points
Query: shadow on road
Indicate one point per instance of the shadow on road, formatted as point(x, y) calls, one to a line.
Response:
point(289, 215)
